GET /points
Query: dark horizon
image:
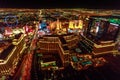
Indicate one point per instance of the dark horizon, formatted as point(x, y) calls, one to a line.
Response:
point(43, 4)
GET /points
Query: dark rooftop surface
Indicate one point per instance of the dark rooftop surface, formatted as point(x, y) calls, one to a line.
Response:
point(6, 52)
point(65, 48)
point(110, 71)
point(62, 40)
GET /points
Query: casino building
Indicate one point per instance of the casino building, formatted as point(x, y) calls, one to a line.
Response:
point(53, 44)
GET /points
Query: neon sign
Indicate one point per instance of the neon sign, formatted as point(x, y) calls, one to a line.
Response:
point(11, 20)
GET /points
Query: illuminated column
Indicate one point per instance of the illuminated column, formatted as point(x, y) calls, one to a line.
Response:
point(71, 24)
point(51, 25)
point(76, 24)
point(80, 24)
point(58, 24)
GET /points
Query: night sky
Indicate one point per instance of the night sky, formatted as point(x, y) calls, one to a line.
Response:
point(37, 4)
